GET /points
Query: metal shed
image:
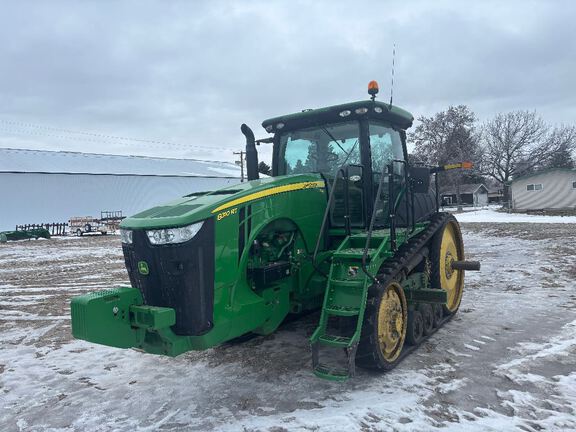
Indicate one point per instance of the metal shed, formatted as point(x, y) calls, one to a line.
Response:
point(550, 189)
point(46, 186)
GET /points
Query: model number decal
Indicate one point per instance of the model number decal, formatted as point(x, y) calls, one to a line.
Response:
point(309, 185)
point(226, 213)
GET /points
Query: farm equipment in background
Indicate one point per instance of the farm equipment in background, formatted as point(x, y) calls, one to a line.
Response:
point(54, 228)
point(109, 222)
point(80, 225)
point(112, 219)
point(344, 225)
point(33, 233)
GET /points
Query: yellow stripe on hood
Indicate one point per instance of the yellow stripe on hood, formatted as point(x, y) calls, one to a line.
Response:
point(268, 192)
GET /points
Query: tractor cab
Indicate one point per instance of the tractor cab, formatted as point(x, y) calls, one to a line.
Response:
point(350, 154)
point(358, 149)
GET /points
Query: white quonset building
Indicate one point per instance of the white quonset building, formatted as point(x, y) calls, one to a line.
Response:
point(45, 186)
point(550, 189)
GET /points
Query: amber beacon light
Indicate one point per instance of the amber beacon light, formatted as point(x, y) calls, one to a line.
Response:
point(373, 89)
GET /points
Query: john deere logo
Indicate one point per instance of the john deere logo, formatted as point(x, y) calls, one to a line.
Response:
point(143, 268)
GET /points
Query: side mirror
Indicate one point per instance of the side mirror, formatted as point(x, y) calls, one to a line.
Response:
point(355, 173)
point(420, 179)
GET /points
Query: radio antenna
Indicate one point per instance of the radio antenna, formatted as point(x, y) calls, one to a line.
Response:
point(392, 83)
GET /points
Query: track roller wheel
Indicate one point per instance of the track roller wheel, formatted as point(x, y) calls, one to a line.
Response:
point(427, 318)
point(415, 328)
point(384, 327)
point(438, 312)
point(447, 247)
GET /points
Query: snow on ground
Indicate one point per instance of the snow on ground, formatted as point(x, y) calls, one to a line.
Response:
point(506, 361)
point(489, 214)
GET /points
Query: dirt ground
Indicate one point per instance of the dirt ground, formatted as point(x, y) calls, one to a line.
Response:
point(506, 361)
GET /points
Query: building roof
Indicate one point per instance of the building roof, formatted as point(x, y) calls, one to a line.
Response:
point(493, 185)
point(544, 171)
point(57, 162)
point(464, 189)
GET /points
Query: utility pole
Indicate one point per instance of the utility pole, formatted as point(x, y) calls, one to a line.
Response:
point(241, 163)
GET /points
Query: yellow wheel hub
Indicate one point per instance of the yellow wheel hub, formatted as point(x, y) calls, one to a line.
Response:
point(451, 280)
point(392, 321)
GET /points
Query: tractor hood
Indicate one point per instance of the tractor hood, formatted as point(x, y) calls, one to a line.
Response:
point(203, 205)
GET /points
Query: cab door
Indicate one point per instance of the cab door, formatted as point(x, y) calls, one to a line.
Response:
point(387, 154)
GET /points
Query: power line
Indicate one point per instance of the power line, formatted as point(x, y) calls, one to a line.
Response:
point(86, 139)
point(99, 136)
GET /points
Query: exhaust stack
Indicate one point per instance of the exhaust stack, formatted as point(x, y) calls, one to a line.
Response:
point(251, 153)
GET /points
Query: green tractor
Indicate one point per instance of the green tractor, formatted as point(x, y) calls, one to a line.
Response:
point(344, 225)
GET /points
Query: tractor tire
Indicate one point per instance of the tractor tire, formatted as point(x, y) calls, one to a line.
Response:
point(415, 329)
point(384, 327)
point(427, 318)
point(446, 247)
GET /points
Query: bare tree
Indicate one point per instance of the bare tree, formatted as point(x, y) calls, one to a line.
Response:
point(447, 137)
point(520, 142)
point(563, 141)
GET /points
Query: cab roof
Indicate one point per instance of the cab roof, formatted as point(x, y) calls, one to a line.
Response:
point(308, 118)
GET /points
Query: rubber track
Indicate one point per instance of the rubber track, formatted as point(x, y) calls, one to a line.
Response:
point(389, 270)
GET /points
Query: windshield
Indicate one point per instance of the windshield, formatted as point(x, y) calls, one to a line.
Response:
point(319, 149)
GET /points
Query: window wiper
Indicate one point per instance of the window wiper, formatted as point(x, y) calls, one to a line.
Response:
point(335, 141)
point(348, 154)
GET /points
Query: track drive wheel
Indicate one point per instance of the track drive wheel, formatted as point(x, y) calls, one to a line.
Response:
point(384, 327)
point(447, 247)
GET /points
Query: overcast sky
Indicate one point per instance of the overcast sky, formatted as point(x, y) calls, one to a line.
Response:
point(188, 73)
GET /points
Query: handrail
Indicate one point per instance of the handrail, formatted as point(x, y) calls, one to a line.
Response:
point(437, 192)
point(371, 226)
point(343, 169)
point(392, 207)
point(409, 214)
point(407, 181)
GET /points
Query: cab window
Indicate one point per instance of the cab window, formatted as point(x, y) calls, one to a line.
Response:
point(385, 146)
point(321, 149)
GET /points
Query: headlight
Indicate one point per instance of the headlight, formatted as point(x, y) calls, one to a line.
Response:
point(173, 235)
point(126, 236)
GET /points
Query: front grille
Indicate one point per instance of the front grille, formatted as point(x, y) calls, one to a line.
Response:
point(179, 276)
